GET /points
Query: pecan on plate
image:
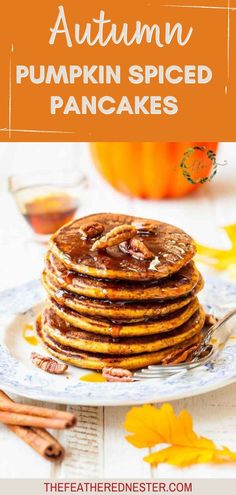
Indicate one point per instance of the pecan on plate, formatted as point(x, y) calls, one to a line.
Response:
point(179, 356)
point(48, 364)
point(90, 230)
point(115, 237)
point(210, 320)
point(136, 248)
point(117, 375)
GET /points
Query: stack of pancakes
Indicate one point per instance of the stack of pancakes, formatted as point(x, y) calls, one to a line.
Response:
point(121, 292)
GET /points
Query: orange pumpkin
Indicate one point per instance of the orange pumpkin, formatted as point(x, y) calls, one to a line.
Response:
point(151, 170)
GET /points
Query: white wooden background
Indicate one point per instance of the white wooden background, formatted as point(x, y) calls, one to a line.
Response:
point(96, 448)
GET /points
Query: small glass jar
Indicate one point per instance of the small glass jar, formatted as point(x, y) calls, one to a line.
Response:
point(48, 199)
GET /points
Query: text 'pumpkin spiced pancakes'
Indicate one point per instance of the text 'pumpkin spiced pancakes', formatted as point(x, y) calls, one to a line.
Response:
point(122, 292)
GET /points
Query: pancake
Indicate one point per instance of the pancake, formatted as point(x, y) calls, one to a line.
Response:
point(171, 248)
point(121, 291)
point(103, 326)
point(99, 361)
point(69, 336)
point(117, 310)
point(178, 285)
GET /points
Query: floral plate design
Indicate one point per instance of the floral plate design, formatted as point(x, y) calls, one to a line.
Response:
point(18, 308)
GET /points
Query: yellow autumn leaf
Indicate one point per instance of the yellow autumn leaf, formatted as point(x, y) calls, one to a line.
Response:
point(221, 259)
point(186, 456)
point(151, 426)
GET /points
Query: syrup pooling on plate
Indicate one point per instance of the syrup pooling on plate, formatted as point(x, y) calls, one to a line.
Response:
point(28, 334)
point(93, 378)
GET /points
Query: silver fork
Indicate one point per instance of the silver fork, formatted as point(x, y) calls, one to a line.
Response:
point(219, 330)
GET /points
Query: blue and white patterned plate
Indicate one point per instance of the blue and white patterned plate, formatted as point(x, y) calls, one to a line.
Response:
point(19, 306)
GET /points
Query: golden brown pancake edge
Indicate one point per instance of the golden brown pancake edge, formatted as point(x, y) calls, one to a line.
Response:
point(86, 360)
point(117, 310)
point(95, 343)
point(117, 329)
point(180, 283)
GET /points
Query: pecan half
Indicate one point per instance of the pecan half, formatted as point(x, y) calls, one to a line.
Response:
point(117, 375)
point(210, 320)
point(48, 364)
point(115, 237)
point(90, 230)
point(145, 228)
point(136, 248)
point(178, 356)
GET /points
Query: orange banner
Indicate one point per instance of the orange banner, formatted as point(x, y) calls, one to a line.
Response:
point(118, 71)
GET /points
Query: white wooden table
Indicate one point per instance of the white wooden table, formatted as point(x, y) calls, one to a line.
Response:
point(96, 448)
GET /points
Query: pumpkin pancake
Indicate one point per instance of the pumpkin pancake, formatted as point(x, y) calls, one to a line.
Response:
point(115, 329)
point(67, 335)
point(95, 361)
point(170, 246)
point(116, 310)
point(179, 284)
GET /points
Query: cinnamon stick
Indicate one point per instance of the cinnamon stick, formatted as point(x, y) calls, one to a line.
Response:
point(38, 439)
point(41, 417)
point(11, 418)
point(41, 441)
point(42, 412)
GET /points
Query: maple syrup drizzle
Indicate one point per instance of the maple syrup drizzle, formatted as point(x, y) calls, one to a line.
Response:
point(77, 250)
point(115, 331)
